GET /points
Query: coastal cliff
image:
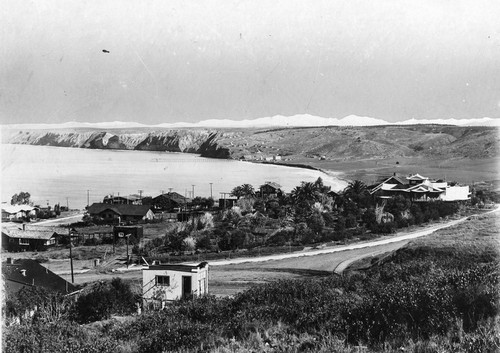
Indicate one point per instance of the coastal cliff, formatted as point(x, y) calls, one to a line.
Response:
point(293, 145)
point(202, 142)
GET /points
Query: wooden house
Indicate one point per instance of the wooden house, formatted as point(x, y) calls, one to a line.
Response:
point(18, 212)
point(30, 239)
point(270, 189)
point(112, 213)
point(163, 283)
point(170, 202)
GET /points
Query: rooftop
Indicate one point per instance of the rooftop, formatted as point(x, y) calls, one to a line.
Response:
point(29, 234)
point(120, 209)
point(31, 273)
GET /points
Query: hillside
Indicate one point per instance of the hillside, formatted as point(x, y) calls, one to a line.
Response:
point(203, 142)
point(331, 142)
point(332, 147)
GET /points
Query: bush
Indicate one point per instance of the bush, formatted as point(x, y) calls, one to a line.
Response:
point(57, 336)
point(103, 300)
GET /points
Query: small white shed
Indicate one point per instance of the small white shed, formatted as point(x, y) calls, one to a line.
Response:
point(167, 282)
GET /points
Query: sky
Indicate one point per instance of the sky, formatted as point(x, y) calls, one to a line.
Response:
point(169, 61)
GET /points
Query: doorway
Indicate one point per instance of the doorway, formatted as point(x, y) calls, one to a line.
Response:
point(186, 287)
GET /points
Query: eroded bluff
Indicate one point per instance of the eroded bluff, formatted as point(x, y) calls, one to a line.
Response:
point(202, 142)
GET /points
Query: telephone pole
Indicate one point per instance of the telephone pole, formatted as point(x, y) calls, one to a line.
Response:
point(193, 190)
point(71, 255)
point(88, 198)
point(211, 196)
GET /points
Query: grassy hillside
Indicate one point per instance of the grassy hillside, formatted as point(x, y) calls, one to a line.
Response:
point(438, 294)
point(466, 153)
point(333, 142)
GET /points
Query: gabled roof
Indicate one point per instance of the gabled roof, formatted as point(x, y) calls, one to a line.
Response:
point(421, 188)
point(29, 234)
point(272, 184)
point(120, 209)
point(385, 185)
point(31, 273)
point(174, 196)
point(416, 177)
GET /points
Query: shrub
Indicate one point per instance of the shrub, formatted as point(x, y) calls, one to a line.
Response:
point(57, 336)
point(103, 300)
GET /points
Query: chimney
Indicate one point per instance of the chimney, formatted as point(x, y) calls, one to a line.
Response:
point(9, 261)
point(24, 227)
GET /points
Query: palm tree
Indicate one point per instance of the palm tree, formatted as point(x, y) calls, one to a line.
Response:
point(357, 191)
point(307, 192)
point(356, 187)
point(245, 190)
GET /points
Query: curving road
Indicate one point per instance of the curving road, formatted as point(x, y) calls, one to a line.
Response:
point(395, 239)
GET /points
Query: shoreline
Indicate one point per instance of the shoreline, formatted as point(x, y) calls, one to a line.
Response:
point(331, 173)
point(290, 165)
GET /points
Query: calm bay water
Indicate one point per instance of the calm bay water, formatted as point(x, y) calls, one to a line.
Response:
point(58, 174)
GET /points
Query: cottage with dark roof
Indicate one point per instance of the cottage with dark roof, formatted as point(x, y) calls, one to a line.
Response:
point(270, 189)
point(170, 201)
point(30, 239)
point(126, 213)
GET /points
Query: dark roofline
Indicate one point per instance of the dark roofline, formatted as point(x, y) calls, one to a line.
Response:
point(119, 209)
point(177, 267)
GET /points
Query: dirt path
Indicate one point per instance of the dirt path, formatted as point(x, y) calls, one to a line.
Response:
point(236, 274)
point(63, 220)
point(394, 239)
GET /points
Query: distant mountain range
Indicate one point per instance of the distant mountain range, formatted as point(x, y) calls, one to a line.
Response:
point(300, 120)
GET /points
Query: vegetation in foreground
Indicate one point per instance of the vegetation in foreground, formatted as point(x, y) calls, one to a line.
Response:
point(438, 294)
point(310, 214)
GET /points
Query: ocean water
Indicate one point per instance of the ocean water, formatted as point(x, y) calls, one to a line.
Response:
point(63, 175)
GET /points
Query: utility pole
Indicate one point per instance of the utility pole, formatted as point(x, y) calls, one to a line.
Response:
point(127, 236)
point(211, 191)
point(88, 198)
point(193, 190)
point(140, 193)
point(71, 255)
point(67, 203)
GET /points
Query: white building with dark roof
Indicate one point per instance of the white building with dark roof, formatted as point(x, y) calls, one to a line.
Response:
point(420, 189)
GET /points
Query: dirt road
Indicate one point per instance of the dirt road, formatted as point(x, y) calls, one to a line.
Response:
point(388, 240)
point(230, 276)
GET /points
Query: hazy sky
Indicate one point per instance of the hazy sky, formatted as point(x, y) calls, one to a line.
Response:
point(184, 60)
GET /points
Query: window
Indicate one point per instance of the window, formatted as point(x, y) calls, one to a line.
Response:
point(163, 280)
point(24, 242)
point(50, 241)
